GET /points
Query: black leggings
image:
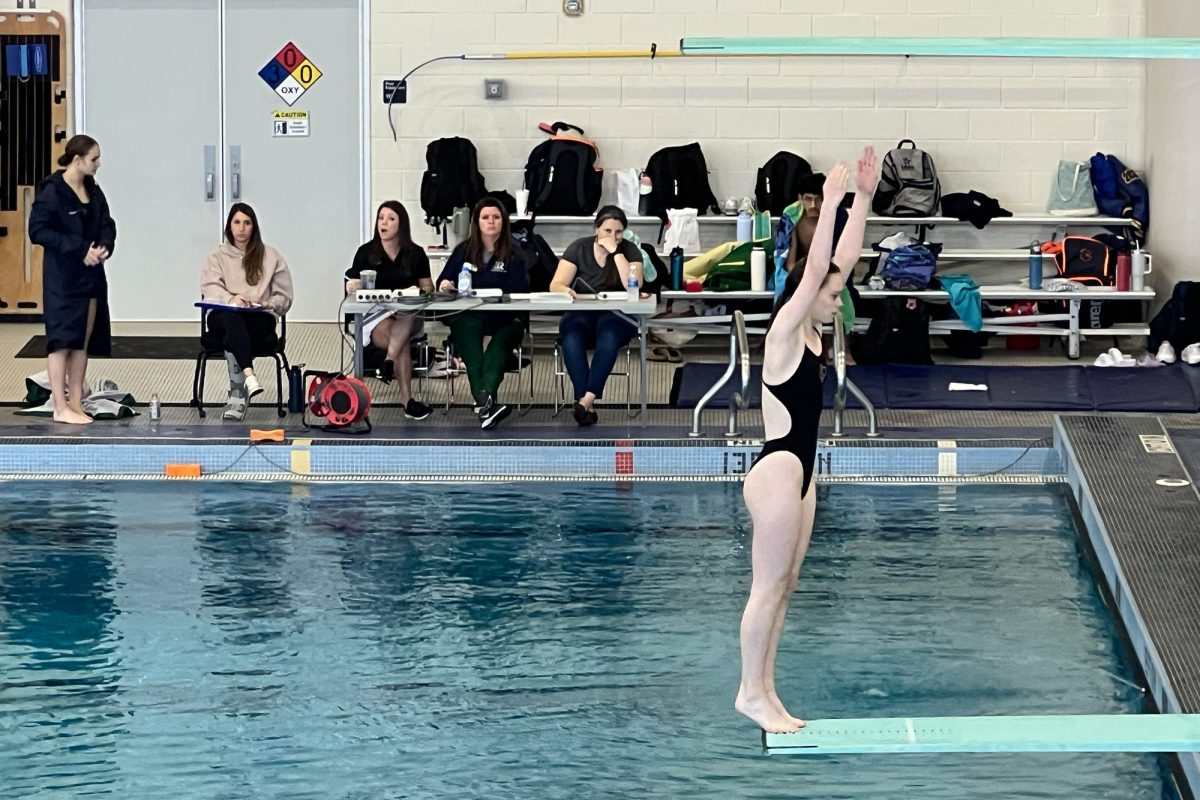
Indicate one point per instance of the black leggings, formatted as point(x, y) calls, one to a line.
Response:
point(244, 332)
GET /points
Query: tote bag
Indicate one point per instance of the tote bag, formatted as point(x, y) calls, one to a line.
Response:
point(1071, 195)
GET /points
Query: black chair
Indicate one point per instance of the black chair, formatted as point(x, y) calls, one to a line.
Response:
point(211, 346)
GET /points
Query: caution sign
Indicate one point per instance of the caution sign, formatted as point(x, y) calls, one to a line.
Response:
point(290, 123)
point(290, 74)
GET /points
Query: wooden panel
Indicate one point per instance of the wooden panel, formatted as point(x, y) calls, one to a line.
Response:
point(20, 262)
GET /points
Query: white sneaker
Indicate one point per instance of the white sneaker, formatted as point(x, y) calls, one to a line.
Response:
point(253, 387)
point(1166, 353)
point(1191, 354)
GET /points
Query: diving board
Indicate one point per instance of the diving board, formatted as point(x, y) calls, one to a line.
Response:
point(1096, 733)
point(995, 47)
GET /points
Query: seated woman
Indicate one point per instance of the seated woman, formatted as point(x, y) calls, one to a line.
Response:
point(398, 264)
point(495, 262)
point(245, 273)
point(590, 265)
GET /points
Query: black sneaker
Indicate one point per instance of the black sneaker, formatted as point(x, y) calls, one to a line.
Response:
point(415, 409)
point(483, 402)
point(492, 415)
point(583, 417)
point(387, 373)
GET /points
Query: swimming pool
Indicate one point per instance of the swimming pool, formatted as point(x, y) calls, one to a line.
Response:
point(215, 640)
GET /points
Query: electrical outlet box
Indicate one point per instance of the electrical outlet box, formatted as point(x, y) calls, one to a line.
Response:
point(493, 89)
point(573, 8)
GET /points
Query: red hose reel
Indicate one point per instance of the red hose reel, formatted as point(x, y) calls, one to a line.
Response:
point(341, 400)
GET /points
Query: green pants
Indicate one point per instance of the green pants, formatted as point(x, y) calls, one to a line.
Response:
point(485, 368)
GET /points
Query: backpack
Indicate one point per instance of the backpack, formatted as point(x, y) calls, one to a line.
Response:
point(539, 257)
point(778, 184)
point(898, 333)
point(1121, 192)
point(908, 183)
point(451, 179)
point(679, 179)
point(1179, 320)
point(1084, 260)
point(910, 268)
point(561, 174)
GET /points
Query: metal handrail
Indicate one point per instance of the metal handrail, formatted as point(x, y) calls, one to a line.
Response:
point(739, 357)
point(844, 384)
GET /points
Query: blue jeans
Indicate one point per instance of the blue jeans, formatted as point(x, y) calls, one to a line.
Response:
point(607, 333)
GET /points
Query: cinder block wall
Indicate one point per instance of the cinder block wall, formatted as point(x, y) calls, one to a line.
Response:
point(997, 125)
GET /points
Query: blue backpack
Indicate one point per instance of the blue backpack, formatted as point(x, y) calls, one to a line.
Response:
point(1121, 192)
point(910, 268)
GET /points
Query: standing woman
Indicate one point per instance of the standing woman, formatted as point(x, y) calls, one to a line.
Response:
point(70, 220)
point(495, 262)
point(245, 273)
point(398, 264)
point(603, 262)
point(778, 490)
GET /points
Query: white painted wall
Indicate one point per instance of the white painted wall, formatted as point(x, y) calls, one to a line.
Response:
point(997, 125)
point(1172, 136)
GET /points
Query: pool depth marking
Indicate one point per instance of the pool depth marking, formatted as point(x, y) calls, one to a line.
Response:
point(1084, 733)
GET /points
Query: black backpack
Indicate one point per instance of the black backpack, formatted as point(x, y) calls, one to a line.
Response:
point(778, 184)
point(897, 334)
point(561, 174)
point(451, 179)
point(539, 257)
point(1179, 320)
point(679, 179)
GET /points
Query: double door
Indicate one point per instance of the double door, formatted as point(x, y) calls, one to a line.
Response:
point(198, 104)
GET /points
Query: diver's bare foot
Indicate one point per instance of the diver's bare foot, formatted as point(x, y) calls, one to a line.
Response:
point(775, 701)
point(72, 417)
point(765, 715)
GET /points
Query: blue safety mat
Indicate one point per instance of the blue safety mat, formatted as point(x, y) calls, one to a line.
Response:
point(1170, 389)
point(1039, 389)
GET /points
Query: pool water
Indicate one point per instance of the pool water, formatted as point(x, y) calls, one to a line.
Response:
point(531, 641)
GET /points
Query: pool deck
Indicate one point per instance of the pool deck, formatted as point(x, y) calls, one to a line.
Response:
point(1135, 480)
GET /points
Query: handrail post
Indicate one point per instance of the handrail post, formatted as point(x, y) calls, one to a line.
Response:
point(844, 384)
point(739, 356)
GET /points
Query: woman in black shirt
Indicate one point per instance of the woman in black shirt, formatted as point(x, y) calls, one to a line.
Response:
point(588, 266)
point(399, 264)
point(70, 220)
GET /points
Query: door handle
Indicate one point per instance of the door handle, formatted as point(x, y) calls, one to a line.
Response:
point(210, 172)
point(235, 171)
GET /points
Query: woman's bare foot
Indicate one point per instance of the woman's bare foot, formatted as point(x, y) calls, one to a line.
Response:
point(775, 701)
point(72, 417)
point(765, 714)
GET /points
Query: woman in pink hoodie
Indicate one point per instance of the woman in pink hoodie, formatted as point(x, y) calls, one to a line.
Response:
point(244, 273)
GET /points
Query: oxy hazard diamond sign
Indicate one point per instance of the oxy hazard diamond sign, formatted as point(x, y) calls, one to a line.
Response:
point(290, 73)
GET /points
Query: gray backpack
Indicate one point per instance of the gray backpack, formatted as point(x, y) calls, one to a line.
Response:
point(908, 183)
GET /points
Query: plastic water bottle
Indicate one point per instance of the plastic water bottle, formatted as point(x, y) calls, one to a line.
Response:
point(464, 281)
point(632, 286)
point(155, 408)
point(744, 226)
point(677, 268)
point(1035, 265)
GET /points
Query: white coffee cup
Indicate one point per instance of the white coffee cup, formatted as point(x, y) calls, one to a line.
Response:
point(522, 202)
point(367, 276)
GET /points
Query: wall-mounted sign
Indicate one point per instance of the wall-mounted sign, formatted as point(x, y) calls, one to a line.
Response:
point(290, 73)
point(290, 123)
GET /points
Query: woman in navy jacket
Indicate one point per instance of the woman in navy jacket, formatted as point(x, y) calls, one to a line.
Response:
point(70, 220)
point(495, 262)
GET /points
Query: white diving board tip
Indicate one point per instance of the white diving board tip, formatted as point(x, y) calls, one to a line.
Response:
point(1086, 733)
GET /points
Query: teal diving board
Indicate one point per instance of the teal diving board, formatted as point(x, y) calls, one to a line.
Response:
point(1003, 47)
point(1127, 733)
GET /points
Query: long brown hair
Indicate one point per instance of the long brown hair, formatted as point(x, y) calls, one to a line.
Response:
point(403, 231)
point(78, 145)
point(611, 276)
point(252, 261)
point(504, 244)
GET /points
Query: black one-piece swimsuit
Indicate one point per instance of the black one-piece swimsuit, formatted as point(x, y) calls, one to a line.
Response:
point(802, 396)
